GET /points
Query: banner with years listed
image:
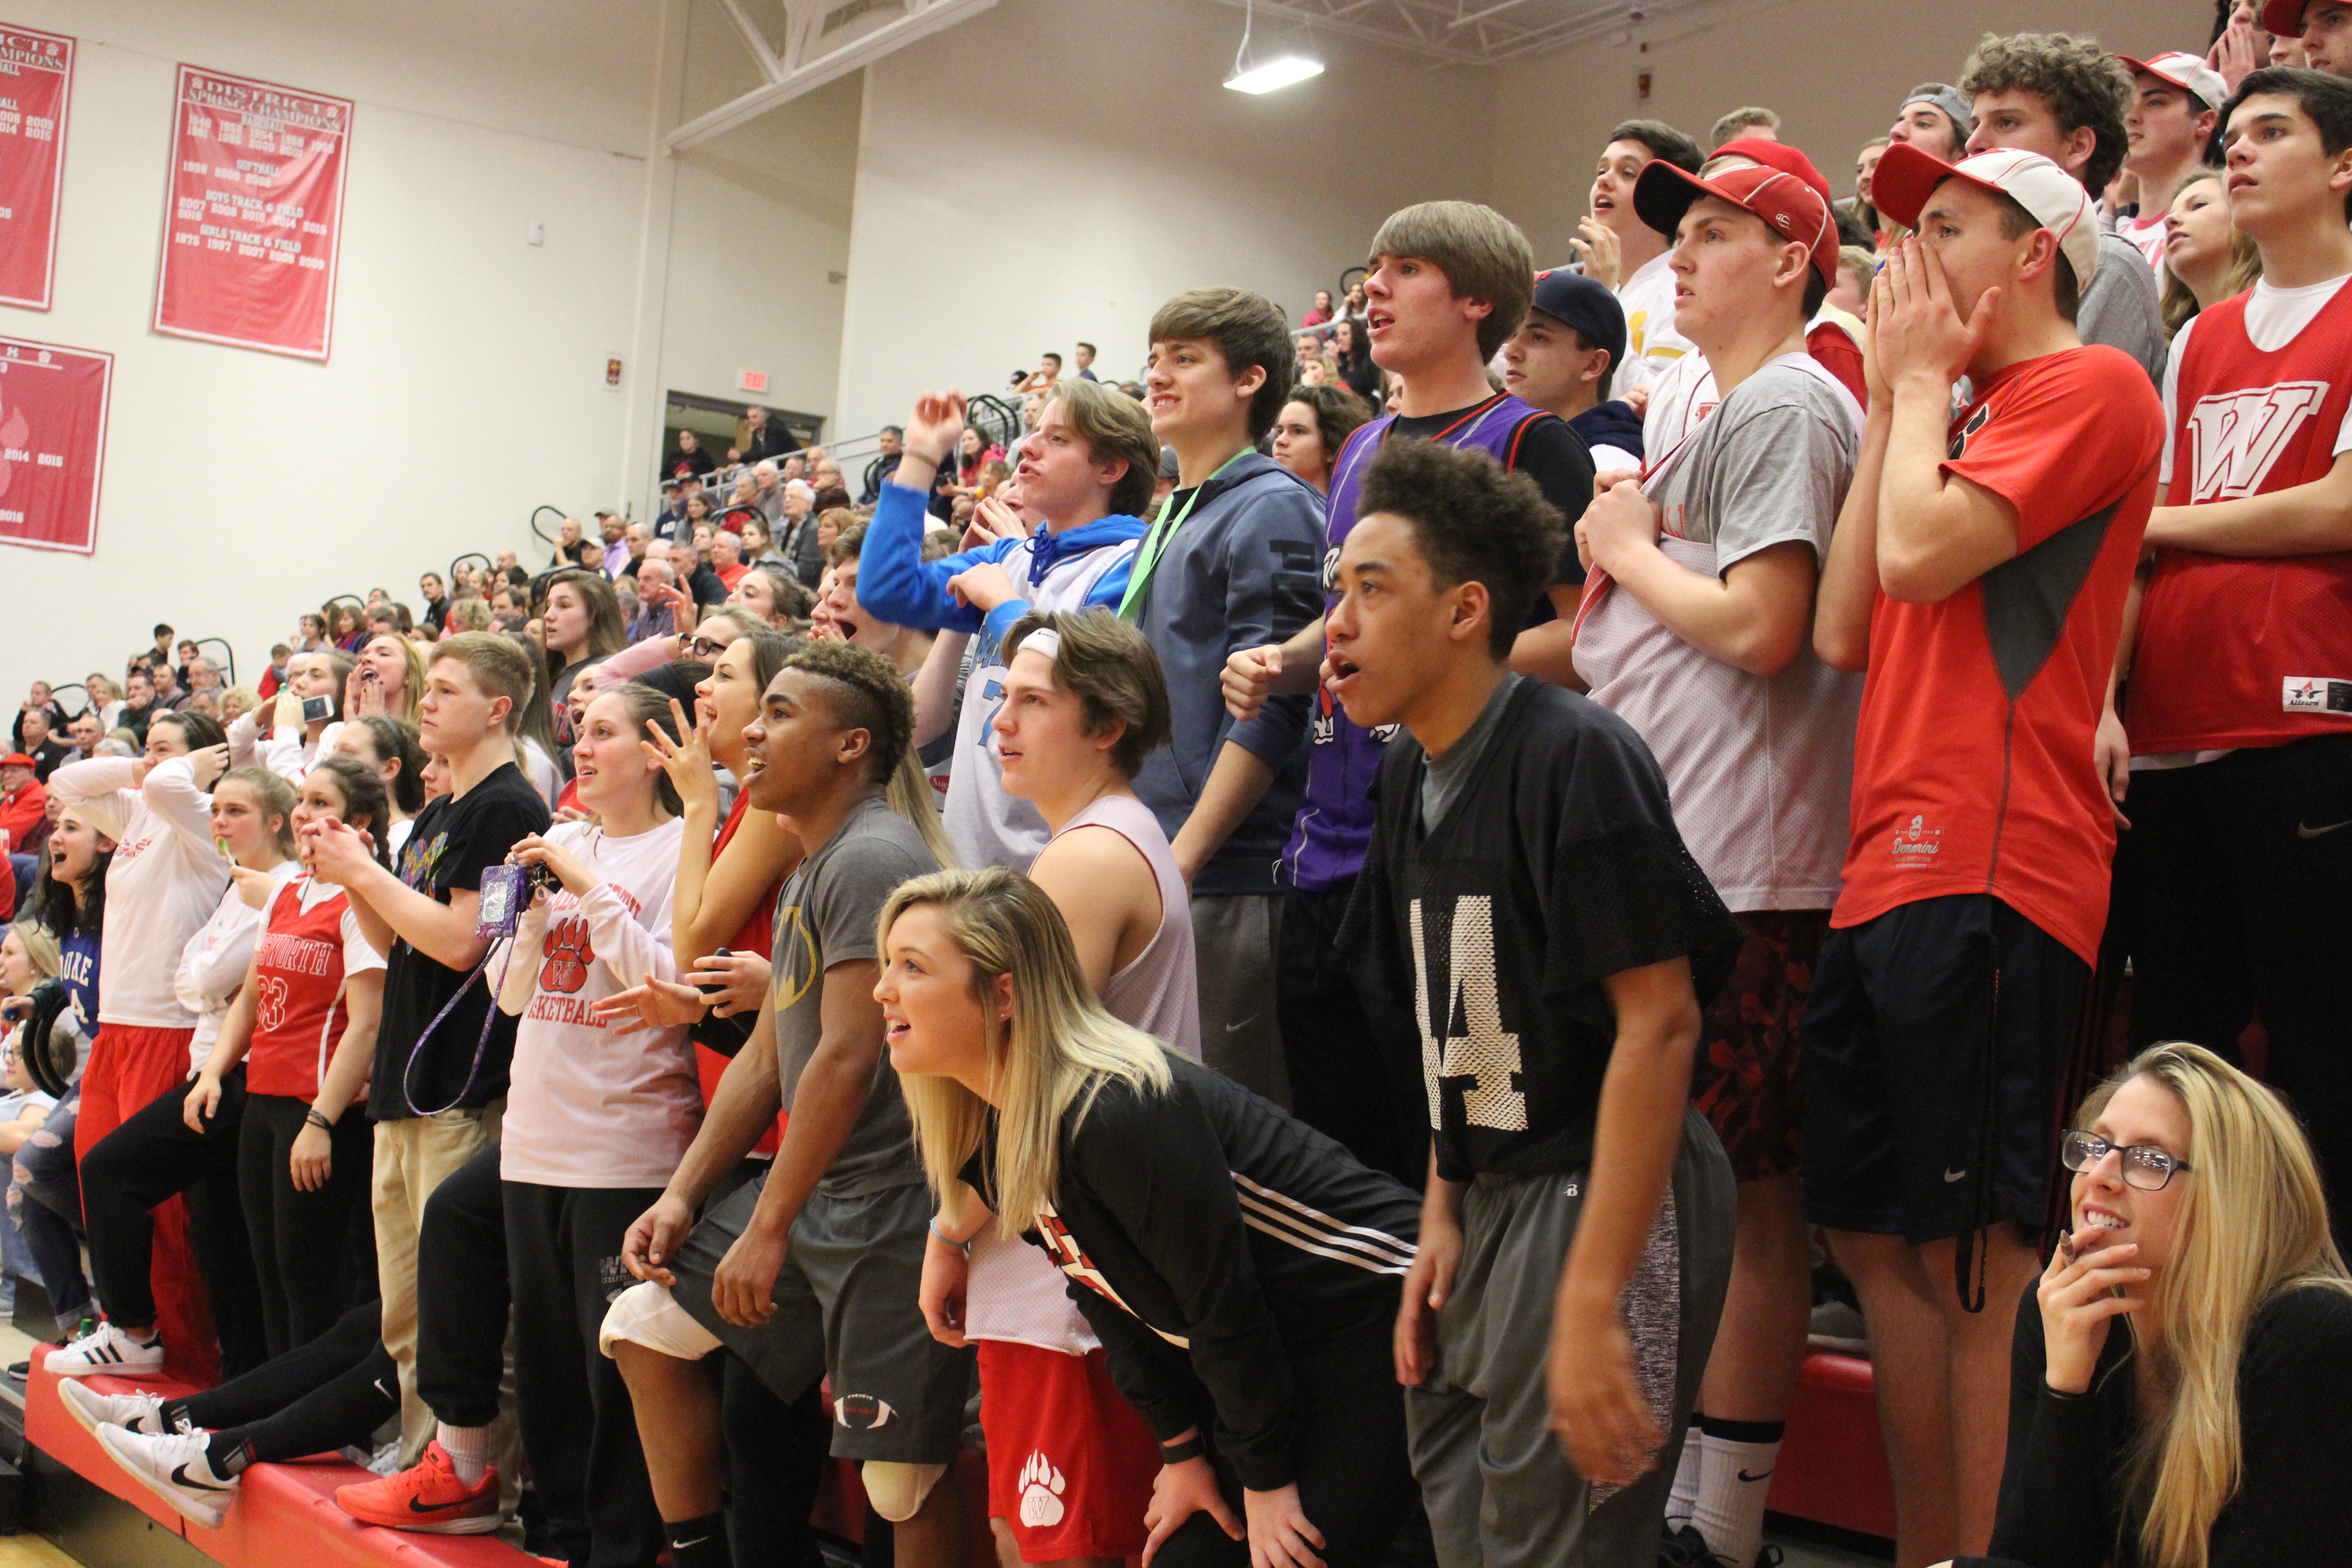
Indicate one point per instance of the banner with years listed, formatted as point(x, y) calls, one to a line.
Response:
point(255, 216)
point(52, 444)
point(36, 88)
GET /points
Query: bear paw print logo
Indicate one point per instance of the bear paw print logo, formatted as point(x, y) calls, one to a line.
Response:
point(568, 957)
point(1041, 1493)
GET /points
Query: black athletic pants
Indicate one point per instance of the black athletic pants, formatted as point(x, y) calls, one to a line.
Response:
point(579, 1429)
point(314, 1253)
point(461, 1294)
point(154, 1156)
point(2234, 887)
point(330, 1393)
point(1354, 1479)
point(1355, 1063)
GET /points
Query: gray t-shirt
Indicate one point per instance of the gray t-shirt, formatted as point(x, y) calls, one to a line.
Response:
point(2121, 307)
point(1443, 777)
point(825, 916)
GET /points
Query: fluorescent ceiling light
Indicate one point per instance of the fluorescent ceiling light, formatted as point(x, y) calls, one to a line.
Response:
point(1275, 73)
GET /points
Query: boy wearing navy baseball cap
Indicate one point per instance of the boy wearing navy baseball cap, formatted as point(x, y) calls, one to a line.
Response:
point(1564, 357)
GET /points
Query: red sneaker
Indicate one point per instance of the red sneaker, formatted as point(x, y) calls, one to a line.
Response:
point(426, 1497)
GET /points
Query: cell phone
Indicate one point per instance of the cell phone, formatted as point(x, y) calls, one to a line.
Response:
point(315, 708)
point(714, 984)
point(503, 898)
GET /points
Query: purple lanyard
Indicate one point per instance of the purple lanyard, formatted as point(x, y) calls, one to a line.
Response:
point(480, 1045)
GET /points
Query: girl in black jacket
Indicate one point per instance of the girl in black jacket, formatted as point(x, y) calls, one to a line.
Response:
point(2211, 1431)
point(1241, 1269)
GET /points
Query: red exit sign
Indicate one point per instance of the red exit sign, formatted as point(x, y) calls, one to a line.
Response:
point(754, 381)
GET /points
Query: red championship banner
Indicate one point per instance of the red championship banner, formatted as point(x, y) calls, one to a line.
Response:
point(36, 81)
point(52, 444)
point(257, 215)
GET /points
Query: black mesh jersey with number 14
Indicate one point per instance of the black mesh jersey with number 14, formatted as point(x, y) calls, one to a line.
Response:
point(1557, 866)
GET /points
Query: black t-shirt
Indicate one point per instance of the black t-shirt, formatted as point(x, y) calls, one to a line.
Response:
point(1557, 865)
point(50, 756)
point(1552, 455)
point(704, 586)
point(454, 839)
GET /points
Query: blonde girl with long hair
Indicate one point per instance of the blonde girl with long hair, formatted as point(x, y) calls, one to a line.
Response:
point(2181, 1382)
point(1237, 1261)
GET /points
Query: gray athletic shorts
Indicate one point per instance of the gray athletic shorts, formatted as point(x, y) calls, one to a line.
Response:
point(1499, 1491)
point(847, 1308)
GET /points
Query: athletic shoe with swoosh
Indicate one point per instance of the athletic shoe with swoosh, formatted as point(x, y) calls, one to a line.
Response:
point(426, 1497)
point(174, 1465)
point(136, 1412)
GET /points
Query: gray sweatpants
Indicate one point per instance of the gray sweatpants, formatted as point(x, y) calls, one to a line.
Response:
point(1241, 1034)
point(1500, 1493)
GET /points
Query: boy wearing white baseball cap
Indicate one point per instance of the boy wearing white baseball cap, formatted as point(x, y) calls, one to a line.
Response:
point(2065, 98)
point(1978, 573)
point(2175, 98)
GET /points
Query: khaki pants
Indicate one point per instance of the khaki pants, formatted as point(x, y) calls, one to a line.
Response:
point(413, 1157)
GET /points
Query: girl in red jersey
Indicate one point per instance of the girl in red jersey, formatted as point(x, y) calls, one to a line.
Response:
point(301, 1036)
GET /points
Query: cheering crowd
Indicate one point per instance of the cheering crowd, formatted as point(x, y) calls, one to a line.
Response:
point(1343, 935)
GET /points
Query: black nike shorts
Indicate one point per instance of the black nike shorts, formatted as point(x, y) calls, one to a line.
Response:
point(1935, 1042)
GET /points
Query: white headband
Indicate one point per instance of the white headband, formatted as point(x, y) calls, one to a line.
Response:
point(1044, 640)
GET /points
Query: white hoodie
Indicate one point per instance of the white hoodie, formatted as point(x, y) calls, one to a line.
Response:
point(163, 883)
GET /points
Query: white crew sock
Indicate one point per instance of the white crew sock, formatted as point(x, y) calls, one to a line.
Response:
point(1734, 1475)
point(469, 1448)
point(1682, 1501)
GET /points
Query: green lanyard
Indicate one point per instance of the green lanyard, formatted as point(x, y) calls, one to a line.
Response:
point(1155, 543)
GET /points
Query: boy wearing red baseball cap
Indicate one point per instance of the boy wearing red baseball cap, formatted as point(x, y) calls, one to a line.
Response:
point(2175, 98)
point(1978, 574)
point(2234, 886)
point(2323, 26)
point(1694, 629)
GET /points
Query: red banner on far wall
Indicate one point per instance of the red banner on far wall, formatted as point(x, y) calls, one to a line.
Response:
point(35, 83)
point(52, 444)
point(256, 220)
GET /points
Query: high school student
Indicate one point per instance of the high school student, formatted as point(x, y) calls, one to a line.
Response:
point(389, 749)
point(2233, 879)
point(1978, 573)
point(1450, 286)
point(1088, 472)
point(813, 1271)
point(2176, 99)
point(72, 905)
point(164, 881)
point(1085, 704)
point(1315, 423)
point(1240, 1268)
point(1627, 255)
point(1564, 359)
point(438, 1082)
point(1528, 900)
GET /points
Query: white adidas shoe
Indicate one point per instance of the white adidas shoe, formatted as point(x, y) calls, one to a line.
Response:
point(136, 1412)
point(173, 1467)
point(108, 1349)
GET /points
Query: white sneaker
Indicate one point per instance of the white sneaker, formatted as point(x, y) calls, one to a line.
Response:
point(141, 1413)
point(173, 1467)
point(108, 1349)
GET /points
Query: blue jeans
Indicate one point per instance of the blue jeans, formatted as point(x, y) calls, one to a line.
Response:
point(45, 1200)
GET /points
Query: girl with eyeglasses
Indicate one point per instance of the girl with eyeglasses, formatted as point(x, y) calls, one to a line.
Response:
point(2180, 1389)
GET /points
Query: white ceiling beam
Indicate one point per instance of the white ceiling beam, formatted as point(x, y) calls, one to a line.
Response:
point(754, 40)
point(801, 71)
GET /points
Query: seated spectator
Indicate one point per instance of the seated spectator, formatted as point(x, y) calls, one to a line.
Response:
point(2198, 1264)
point(37, 738)
point(658, 597)
point(727, 557)
point(40, 700)
point(1563, 360)
point(1277, 1402)
point(2207, 257)
point(2064, 97)
point(23, 821)
point(1351, 351)
point(759, 542)
point(1321, 313)
point(85, 731)
point(235, 703)
point(846, 1188)
point(468, 615)
point(689, 458)
point(890, 446)
point(348, 624)
point(435, 594)
point(1315, 423)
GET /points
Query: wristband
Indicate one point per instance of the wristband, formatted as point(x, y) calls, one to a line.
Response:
point(938, 462)
point(963, 1246)
point(1192, 1447)
point(313, 1119)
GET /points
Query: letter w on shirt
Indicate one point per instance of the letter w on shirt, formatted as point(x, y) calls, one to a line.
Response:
point(2238, 436)
point(1462, 1033)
